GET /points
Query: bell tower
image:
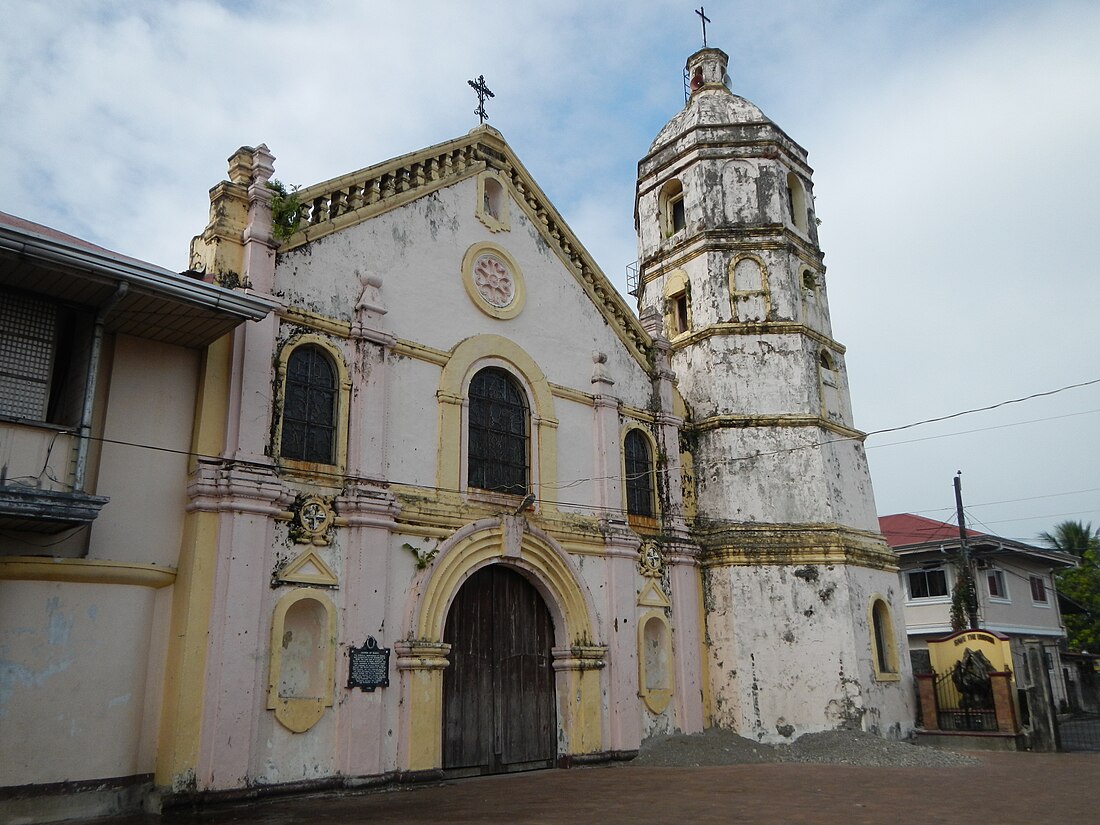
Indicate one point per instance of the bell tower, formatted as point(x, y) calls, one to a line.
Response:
point(793, 562)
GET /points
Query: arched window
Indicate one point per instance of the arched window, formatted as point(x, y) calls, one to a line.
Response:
point(639, 475)
point(882, 641)
point(309, 407)
point(498, 454)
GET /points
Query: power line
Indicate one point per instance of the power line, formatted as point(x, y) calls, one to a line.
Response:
point(697, 467)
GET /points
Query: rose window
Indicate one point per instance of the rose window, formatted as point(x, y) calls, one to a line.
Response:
point(494, 281)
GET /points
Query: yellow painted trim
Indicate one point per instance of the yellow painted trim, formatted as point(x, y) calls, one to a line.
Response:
point(758, 544)
point(343, 404)
point(315, 321)
point(519, 295)
point(192, 597)
point(656, 699)
point(84, 571)
point(717, 422)
point(757, 329)
point(293, 571)
point(570, 394)
point(466, 359)
point(421, 352)
point(652, 596)
point(300, 713)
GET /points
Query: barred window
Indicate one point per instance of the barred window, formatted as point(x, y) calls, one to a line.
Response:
point(639, 475)
point(309, 407)
point(498, 448)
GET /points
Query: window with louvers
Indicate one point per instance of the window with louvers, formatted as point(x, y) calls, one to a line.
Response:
point(498, 448)
point(28, 331)
point(309, 407)
point(639, 475)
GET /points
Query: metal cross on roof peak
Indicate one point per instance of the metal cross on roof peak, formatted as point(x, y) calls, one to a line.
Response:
point(704, 20)
point(482, 93)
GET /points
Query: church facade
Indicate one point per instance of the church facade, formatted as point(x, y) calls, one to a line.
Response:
point(456, 506)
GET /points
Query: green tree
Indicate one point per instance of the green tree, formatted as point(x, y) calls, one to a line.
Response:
point(1072, 537)
point(1079, 585)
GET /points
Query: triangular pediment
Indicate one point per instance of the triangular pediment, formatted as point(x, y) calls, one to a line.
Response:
point(653, 596)
point(308, 568)
point(357, 197)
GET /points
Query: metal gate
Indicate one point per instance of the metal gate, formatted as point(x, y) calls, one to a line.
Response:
point(957, 712)
point(1078, 715)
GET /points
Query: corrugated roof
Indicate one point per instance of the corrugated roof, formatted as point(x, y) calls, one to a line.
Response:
point(903, 529)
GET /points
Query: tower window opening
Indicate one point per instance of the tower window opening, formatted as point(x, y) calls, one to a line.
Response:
point(680, 313)
point(678, 219)
point(796, 202)
point(673, 215)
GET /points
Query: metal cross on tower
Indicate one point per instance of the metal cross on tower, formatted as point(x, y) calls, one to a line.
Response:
point(482, 93)
point(704, 20)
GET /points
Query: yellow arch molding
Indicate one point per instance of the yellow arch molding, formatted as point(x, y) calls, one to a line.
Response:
point(482, 544)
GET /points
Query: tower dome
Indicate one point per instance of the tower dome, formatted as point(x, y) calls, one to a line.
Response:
point(711, 102)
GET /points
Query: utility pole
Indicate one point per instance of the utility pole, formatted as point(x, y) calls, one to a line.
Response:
point(966, 570)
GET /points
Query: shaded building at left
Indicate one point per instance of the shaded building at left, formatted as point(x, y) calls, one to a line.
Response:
point(102, 361)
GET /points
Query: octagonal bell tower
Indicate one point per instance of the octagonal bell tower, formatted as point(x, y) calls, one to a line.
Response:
point(804, 614)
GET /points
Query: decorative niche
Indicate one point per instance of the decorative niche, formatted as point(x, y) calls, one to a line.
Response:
point(655, 684)
point(303, 659)
point(493, 202)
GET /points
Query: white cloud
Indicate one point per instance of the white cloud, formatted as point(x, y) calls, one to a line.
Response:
point(952, 144)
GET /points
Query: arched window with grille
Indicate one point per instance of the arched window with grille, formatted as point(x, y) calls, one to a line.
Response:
point(309, 407)
point(639, 474)
point(498, 454)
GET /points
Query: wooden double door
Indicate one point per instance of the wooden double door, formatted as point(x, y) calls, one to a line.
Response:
point(498, 691)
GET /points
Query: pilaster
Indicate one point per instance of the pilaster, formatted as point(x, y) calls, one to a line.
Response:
point(421, 664)
point(577, 670)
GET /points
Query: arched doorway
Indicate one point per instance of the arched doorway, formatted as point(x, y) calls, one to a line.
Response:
point(498, 692)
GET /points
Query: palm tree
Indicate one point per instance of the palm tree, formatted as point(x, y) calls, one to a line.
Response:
point(1072, 537)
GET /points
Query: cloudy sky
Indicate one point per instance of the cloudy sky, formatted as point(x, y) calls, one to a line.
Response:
point(953, 145)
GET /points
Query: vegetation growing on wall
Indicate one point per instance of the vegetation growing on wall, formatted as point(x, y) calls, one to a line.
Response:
point(287, 210)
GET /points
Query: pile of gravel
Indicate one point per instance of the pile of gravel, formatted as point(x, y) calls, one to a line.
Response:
point(837, 747)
